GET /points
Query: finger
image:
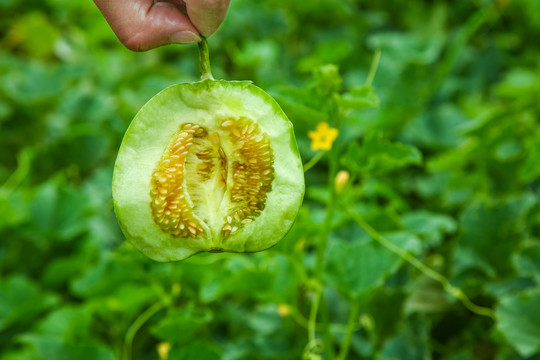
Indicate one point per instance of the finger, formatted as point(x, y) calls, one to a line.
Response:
point(144, 24)
point(207, 15)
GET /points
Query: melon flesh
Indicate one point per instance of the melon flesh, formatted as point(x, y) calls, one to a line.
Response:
point(207, 166)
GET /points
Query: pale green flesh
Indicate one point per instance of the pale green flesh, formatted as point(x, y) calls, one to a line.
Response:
point(207, 104)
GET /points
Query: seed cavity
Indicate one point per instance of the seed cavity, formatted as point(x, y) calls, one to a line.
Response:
point(170, 208)
point(219, 177)
point(252, 173)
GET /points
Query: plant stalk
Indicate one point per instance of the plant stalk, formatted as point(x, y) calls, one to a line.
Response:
point(204, 60)
point(137, 324)
point(451, 289)
point(353, 315)
point(314, 160)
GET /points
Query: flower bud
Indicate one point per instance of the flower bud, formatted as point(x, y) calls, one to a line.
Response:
point(341, 180)
point(284, 310)
point(163, 349)
point(176, 289)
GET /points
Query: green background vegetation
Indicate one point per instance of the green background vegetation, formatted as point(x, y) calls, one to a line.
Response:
point(443, 152)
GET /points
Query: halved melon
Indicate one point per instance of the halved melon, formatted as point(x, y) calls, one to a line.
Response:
point(207, 166)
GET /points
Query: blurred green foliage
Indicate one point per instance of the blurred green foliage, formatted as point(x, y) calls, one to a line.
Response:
point(443, 148)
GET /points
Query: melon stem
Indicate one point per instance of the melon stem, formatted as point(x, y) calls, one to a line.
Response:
point(204, 60)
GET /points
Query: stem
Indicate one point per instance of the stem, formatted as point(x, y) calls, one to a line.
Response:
point(137, 324)
point(314, 160)
point(373, 68)
point(327, 335)
point(312, 321)
point(300, 320)
point(204, 60)
point(456, 292)
point(24, 159)
point(323, 241)
point(456, 46)
point(355, 308)
point(298, 267)
point(321, 246)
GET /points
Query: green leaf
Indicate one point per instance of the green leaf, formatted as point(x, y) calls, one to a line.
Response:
point(405, 240)
point(421, 47)
point(326, 52)
point(242, 277)
point(386, 309)
point(430, 226)
point(70, 323)
point(61, 270)
point(527, 262)
point(181, 325)
point(492, 231)
point(13, 209)
point(302, 105)
point(58, 210)
point(5, 111)
point(116, 285)
point(360, 97)
point(35, 33)
point(426, 296)
point(355, 268)
point(508, 287)
point(34, 83)
point(265, 320)
point(530, 170)
point(198, 350)
point(377, 188)
point(412, 342)
point(105, 277)
point(518, 318)
point(378, 155)
point(508, 150)
point(22, 301)
point(438, 128)
point(519, 82)
point(50, 347)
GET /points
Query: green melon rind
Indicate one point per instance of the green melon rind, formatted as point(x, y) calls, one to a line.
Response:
point(204, 103)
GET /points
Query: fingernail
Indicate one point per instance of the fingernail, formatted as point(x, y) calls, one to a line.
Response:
point(184, 37)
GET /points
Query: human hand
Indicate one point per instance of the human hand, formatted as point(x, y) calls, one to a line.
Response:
point(146, 24)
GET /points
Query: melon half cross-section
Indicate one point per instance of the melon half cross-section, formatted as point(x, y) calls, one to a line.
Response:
point(207, 166)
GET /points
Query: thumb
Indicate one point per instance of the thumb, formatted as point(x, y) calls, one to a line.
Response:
point(144, 24)
point(207, 15)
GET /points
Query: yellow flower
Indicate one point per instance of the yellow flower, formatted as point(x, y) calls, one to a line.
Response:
point(323, 137)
